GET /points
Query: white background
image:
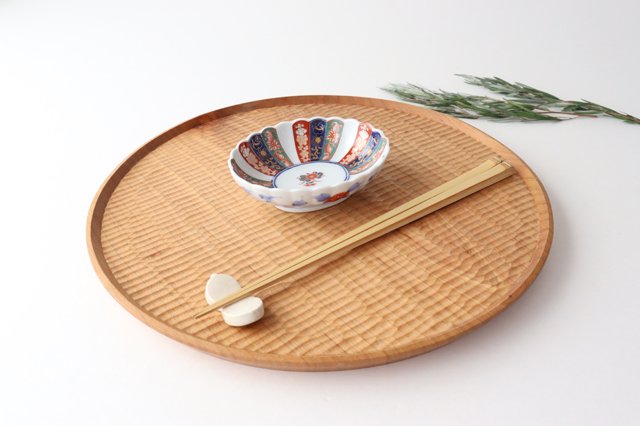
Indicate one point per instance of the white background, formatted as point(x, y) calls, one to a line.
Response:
point(82, 84)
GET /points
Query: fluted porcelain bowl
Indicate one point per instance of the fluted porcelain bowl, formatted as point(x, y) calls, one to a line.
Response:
point(308, 164)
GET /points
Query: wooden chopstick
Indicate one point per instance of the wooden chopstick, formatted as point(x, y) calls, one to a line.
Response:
point(473, 181)
point(486, 165)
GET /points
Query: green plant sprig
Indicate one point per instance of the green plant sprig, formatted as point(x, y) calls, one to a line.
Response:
point(520, 102)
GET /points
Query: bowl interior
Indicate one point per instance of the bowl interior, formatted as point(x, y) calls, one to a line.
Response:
point(308, 152)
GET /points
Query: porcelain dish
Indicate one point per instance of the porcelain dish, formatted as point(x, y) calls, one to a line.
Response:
point(309, 163)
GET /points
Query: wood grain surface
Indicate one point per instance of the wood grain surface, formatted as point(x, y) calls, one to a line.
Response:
point(170, 215)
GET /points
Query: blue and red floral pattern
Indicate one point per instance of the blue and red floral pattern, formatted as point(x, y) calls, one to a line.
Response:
point(310, 179)
point(264, 155)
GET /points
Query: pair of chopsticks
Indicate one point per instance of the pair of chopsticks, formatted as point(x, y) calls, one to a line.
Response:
point(489, 172)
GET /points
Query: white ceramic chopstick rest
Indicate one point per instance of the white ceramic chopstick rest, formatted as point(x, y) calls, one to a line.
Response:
point(243, 312)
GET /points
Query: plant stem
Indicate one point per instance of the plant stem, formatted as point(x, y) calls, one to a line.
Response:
point(519, 102)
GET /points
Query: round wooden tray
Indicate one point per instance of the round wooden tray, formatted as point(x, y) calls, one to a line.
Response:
point(170, 215)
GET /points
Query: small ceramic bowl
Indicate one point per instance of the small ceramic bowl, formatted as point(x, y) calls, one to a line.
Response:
point(308, 164)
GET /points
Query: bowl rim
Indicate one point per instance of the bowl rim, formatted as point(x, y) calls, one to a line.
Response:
point(369, 171)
